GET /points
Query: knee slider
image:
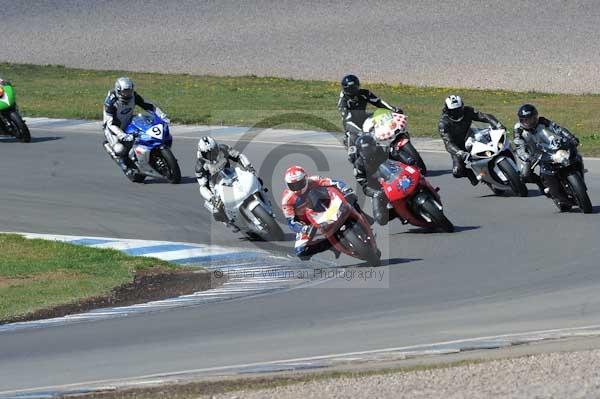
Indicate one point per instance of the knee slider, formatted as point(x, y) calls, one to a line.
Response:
point(119, 149)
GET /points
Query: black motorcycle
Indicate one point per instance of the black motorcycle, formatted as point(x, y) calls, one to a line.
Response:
point(558, 155)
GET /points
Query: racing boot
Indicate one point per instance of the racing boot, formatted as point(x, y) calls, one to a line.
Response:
point(472, 178)
point(556, 192)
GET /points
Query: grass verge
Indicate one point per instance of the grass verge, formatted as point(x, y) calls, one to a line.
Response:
point(40, 274)
point(56, 91)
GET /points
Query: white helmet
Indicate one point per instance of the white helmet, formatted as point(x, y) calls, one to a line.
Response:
point(455, 108)
point(208, 149)
point(124, 88)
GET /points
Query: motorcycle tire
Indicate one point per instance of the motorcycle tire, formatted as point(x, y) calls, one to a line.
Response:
point(412, 152)
point(514, 179)
point(578, 190)
point(437, 216)
point(21, 128)
point(173, 175)
point(273, 230)
point(356, 239)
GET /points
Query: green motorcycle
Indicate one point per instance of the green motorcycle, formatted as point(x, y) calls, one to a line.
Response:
point(11, 123)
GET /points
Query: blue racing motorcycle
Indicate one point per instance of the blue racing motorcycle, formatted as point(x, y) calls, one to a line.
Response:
point(150, 153)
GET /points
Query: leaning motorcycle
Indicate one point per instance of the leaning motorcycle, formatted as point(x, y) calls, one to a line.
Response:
point(333, 218)
point(390, 129)
point(559, 155)
point(242, 197)
point(11, 122)
point(412, 197)
point(492, 161)
point(150, 154)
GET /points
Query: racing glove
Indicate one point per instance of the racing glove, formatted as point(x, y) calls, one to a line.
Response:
point(127, 138)
point(462, 155)
point(397, 110)
point(162, 115)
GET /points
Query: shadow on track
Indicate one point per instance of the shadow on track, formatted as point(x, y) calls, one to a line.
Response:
point(426, 230)
point(10, 139)
point(441, 172)
point(384, 262)
point(184, 180)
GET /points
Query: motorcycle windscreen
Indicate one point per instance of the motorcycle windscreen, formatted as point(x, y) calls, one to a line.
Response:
point(227, 176)
point(546, 137)
point(482, 136)
point(390, 170)
point(318, 199)
point(142, 122)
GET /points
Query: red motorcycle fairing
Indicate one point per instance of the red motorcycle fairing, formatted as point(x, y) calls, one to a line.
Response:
point(403, 186)
point(336, 215)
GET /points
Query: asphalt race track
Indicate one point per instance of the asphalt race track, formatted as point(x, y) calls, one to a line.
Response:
point(513, 265)
point(525, 45)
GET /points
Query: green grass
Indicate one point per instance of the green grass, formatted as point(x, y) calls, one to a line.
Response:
point(37, 274)
point(56, 91)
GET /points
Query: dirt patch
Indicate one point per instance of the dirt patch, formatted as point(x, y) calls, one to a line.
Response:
point(6, 282)
point(148, 285)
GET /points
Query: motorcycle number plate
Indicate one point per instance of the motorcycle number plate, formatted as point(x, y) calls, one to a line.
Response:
point(156, 131)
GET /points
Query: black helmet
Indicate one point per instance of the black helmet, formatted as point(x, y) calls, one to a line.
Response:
point(528, 116)
point(366, 146)
point(350, 85)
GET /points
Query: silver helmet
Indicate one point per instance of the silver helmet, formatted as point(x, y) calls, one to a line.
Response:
point(208, 149)
point(124, 88)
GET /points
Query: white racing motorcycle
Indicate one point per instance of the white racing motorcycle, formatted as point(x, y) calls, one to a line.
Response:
point(492, 161)
point(245, 205)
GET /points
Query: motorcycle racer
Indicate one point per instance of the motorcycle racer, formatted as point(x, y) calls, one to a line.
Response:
point(369, 157)
point(118, 113)
point(524, 141)
point(212, 158)
point(455, 122)
point(352, 105)
point(293, 204)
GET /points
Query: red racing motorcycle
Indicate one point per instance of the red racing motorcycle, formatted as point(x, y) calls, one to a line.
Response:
point(412, 197)
point(333, 218)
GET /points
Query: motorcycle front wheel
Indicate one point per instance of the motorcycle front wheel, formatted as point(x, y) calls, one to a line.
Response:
point(578, 190)
point(21, 129)
point(166, 164)
point(272, 230)
point(357, 240)
point(437, 216)
point(516, 184)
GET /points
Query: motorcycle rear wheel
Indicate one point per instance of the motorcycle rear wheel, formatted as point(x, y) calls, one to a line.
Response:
point(578, 190)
